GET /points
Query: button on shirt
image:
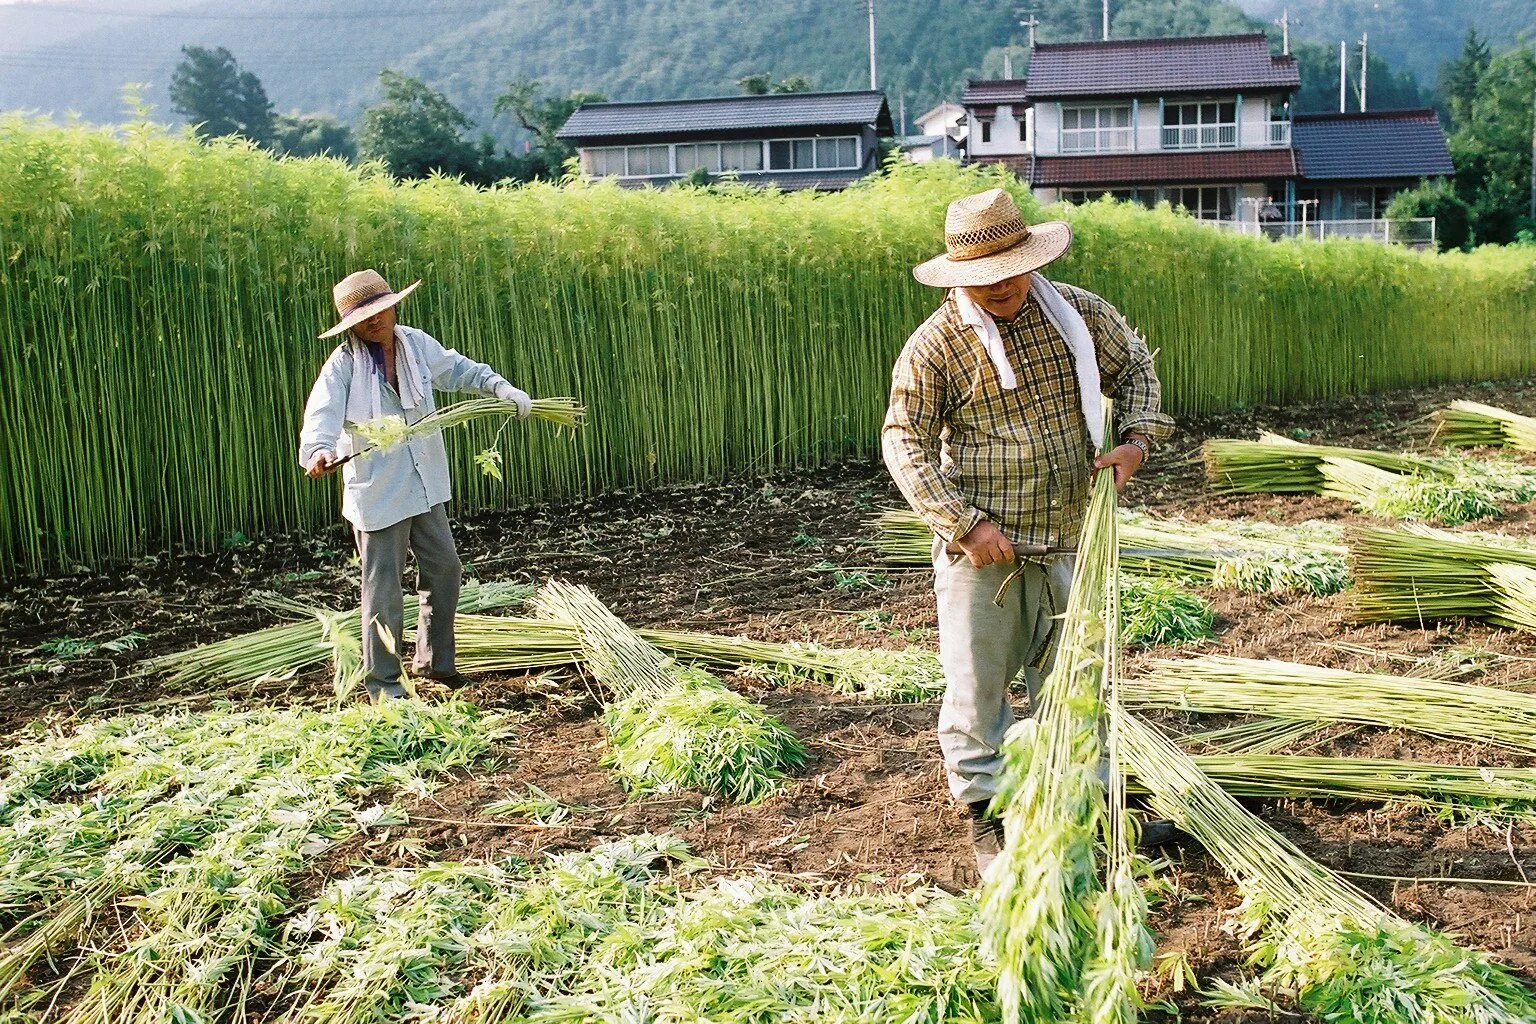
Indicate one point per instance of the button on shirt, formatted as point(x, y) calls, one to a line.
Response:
point(962, 448)
point(383, 488)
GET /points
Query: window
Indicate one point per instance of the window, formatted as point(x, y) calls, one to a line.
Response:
point(703, 156)
point(607, 162)
point(838, 153)
point(1205, 202)
point(986, 129)
point(649, 160)
point(1023, 129)
point(1078, 196)
point(1096, 129)
point(1204, 125)
point(741, 156)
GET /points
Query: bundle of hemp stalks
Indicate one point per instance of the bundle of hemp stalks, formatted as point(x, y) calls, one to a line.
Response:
point(672, 726)
point(1237, 554)
point(1068, 938)
point(1475, 425)
point(495, 643)
point(1419, 574)
point(387, 432)
point(1344, 957)
point(316, 635)
point(1310, 693)
point(1387, 484)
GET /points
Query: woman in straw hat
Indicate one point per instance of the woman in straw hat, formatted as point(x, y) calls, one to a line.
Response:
point(995, 415)
point(396, 500)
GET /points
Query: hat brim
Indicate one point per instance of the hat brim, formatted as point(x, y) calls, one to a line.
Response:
point(369, 309)
point(1046, 244)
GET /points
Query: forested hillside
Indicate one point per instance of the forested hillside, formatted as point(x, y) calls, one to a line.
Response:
point(325, 55)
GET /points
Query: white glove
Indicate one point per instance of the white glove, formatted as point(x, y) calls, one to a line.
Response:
point(507, 393)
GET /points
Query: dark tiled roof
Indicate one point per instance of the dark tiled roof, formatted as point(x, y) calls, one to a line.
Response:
point(1375, 144)
point(785, 110)
point(990, 91)
point(1172, 168)
point(1022, 166)
point(1126, 67)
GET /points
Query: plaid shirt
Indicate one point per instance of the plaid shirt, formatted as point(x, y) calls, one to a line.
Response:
point(962, 449)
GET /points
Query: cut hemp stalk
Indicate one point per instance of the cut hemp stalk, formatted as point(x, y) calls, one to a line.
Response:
point(1419, 574)
point(1346, 958)
point(1288, 690)
point(1069, 940)
point(1230, 554)
point(388, 432)
point(672, 726)
point(1388, 484)
point(1475, 425)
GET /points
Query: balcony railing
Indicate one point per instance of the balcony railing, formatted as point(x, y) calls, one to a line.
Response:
point(1279, 133)
point(1414, 232)
point(1097, 140)
point(1200, 136)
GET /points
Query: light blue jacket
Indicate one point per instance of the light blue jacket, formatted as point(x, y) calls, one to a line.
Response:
point(385, 488)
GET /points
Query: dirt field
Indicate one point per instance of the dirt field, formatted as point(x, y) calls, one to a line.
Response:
point(756, 557)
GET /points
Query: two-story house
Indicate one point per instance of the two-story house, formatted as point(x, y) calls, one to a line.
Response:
point(1204, 123)
point(821, 140)
point(1200, 122)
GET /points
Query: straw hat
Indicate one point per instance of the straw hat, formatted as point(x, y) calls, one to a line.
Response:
point(358, 296)
point(987, 241)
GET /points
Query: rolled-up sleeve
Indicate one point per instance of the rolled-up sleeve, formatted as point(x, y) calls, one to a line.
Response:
point(1127, 373)
point(911, 439)
point(326, 409)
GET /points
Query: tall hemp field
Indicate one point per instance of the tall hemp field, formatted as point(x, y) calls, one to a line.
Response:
point(159, 302)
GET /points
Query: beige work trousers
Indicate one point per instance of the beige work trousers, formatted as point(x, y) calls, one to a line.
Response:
point(983, 648)
point(438, 574)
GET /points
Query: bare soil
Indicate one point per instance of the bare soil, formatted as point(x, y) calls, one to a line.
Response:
point(785, 557)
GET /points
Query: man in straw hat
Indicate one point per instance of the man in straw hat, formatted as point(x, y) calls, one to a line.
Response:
point(995, 415)
point(396, 500)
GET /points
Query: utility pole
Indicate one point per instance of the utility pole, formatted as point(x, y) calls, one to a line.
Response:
point(1343, 74)
point(903, 114)
point(1284, 21)
point(1008, 61)
point(1106, 20)
point(1365, 52)
point(873, 82)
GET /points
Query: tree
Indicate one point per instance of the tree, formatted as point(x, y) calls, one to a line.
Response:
point(417, 131)
point(1387, 89)
point(541, 117)
point(1460, 76)
point(1491, 148)
point(762, 84)
point(312, 135)
point(218, 98)
point(1437, 199)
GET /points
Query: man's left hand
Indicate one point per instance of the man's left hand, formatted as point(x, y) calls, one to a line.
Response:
point(1126, 460)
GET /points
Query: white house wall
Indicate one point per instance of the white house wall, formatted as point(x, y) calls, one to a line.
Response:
point(1005, 134)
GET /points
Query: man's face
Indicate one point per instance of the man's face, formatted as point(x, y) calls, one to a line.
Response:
point(1004, 299)
point(378, 328)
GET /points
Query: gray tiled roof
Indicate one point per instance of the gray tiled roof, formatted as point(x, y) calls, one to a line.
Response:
point(723, 113)
point(1124, 67)
point(1375, 144)
point(986, 91)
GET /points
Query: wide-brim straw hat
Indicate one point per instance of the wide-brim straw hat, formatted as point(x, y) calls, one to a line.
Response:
point(987, 241)
point(359, 296)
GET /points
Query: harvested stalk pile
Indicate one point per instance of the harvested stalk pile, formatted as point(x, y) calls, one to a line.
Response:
point(1238, 554)
point(316, 635)
point(1287, 690)
point(1475, 425)
point(192, 825)
point(671, 726)
point(1392, 485)
point(1159, 611)
point(1344, 957)
point(1069, 938)
point(1418, 574)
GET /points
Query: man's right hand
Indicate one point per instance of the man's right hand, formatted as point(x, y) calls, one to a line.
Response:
point(320, 465)
point(986, 545)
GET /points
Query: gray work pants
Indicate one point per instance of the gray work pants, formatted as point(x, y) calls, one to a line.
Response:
point(982, 649)
point(438, 573)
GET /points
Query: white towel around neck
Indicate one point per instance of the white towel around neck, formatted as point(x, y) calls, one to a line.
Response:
point(1069, 324)
point(364, 399)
